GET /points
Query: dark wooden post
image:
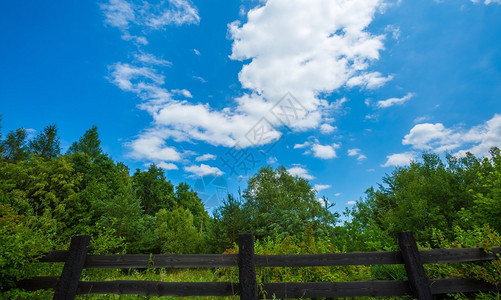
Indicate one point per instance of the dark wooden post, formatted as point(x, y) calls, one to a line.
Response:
point(246, 267)
point(67, 286)
point(413, 266)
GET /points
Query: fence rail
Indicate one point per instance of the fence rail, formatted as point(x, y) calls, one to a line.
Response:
point(68, 284)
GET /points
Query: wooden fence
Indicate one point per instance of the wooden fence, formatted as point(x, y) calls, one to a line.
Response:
point(76, 258)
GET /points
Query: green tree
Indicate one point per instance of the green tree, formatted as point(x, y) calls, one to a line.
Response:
point(187, 198)
point(46, 144)
point(176, 231)
point(279, 203)
point(153, 190)
point(14, 146)
point(229, 220)
point(89, 144)
point(424, 196)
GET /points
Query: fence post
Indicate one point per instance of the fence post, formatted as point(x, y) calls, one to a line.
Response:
point(413, 266)
point(246, 267)
point(67, 286)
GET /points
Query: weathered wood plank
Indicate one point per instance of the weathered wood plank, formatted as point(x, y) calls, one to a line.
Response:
point(67, 285)
point(161, 261)
point(246, 268)
point(440, 256)
point(38, 283)
point(330, 259)
point(157, 288)
point(413, 266)
point(291, 290)
point(55, 256)
point(309, 260)
point(459, 285)
point(335, 289)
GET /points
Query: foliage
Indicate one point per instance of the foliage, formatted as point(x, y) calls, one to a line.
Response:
point(305, 243)
point(14, 147)
point(479, 237)
point(89, 144)
point(229, 220)
point(278, 203)
point(19, 245)
point(427, 195)
point(46, 144)
point(153, 190)
point(176, 232)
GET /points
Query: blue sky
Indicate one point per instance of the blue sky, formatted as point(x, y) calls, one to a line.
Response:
point(339, 92)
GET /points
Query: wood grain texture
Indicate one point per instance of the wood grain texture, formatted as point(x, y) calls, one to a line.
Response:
point(413, 266)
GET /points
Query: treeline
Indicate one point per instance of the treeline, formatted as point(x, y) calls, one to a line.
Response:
point(47, 196)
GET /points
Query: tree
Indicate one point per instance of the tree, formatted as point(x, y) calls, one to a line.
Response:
point(14, 147)
point(189, 199)
point(176, 231)
point(153, 190)
point(427, 195)
point(89, 144)
point(229, 220)
point(46, 144)
point(279, 203)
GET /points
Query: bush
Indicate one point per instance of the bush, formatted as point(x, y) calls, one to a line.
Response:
point(20, 245)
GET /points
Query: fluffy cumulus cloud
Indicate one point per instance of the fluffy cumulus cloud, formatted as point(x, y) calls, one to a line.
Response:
point(399, 159)
point(203, 170)
point(438, 138)
point(298, 170)
point(303, 49)
point(167, 166)
point(151, 146)
point(394, 101)
point(318, 150)
point(324, 151)
point(321, 187)
point(327, 128)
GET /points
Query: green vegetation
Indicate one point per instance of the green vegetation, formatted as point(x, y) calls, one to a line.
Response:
point(46, 197)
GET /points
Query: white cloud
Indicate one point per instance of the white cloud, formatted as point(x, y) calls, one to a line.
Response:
point(394, 101)
point(203, 170)
point(301, 172)
point(206, 157)
point(369, 80)
point(196, 52)
point(394, 30)
point(199, 78)
point(351, 203)
point(151, 59)
point(320, 151)
point(323, 201)
point(119, 13)
point(321, 187)
point(151, 146)
point(324, 151)
point(437, 138)
point(167, 166)
point(327, 128)
point(487, 2)
point(182, 92)
point(128, 14)
point(337, 194)
point(420, 119)
point(306, 48)
point(356, 152)
point(399, 159)
point(271, 160)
